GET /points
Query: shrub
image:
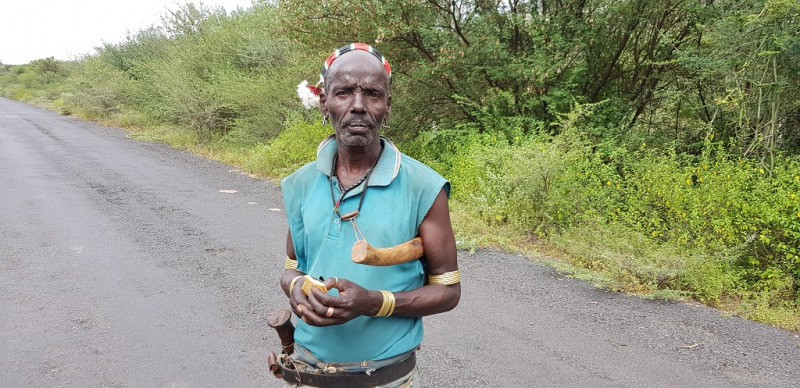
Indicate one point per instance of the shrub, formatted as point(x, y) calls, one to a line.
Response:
point(97, 89)
point(295, 146)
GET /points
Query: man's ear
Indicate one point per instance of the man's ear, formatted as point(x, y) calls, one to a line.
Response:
point(322, 108)
point(389, 105)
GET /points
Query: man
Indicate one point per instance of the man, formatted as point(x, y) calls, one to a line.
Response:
point(365, 330)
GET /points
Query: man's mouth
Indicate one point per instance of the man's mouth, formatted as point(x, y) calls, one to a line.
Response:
point(359, 126)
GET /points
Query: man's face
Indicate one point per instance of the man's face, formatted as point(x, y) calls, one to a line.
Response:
point(356, 98)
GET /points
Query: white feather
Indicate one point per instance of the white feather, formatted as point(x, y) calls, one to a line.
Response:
point(309, 99)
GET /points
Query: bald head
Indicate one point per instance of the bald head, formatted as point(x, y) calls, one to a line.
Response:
point(357, 62)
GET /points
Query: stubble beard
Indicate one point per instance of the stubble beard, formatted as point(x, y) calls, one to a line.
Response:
point(358, 140)
point(361, 139)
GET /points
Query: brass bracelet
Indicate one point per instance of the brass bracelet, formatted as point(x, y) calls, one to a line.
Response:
point(384, 305)
point(446, 278)
point(293, 282)
point(290, 264)
point(393, 302)
point(387, 308)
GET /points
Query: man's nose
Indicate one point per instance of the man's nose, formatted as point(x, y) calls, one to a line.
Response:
point(358, 102)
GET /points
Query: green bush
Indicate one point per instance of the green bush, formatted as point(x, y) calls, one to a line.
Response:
point(295, 146)
point(716, 226)
point(92, 99)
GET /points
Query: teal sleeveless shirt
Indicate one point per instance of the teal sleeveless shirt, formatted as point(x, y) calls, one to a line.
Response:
point(401, 191)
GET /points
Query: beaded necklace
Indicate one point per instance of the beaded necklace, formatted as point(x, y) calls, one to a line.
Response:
point(364, 179)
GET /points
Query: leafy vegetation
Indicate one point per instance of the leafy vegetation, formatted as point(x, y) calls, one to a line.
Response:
point(655, 145)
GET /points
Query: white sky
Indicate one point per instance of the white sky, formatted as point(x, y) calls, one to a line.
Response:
point(67, 29)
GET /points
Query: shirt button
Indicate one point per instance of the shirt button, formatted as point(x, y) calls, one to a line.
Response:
point(335, 220)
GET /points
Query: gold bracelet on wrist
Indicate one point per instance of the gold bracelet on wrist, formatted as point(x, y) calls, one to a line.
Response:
point(393, 303)
point(293, 282)
point(446, 278)
point(387, 308)
point(290, 264)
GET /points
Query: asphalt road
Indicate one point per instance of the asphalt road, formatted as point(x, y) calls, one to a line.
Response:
point(130, 264)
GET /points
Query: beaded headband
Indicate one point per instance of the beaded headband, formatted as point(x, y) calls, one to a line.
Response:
point(350, 47)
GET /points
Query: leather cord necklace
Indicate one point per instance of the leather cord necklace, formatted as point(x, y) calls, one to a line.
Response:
point(364, 179)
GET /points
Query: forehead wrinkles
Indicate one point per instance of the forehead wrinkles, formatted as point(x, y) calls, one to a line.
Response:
point(351, 80)
point(358, 67)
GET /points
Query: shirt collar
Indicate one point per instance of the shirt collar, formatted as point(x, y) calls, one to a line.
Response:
point(384, 173)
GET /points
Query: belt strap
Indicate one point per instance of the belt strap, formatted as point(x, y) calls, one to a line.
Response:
point(378, 377)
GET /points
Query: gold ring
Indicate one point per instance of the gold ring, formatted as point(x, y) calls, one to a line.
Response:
point(330, 312)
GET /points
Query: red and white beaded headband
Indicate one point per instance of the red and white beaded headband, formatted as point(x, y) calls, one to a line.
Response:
point(350, 47)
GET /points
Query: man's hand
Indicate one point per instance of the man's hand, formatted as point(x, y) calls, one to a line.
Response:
point(321, 309)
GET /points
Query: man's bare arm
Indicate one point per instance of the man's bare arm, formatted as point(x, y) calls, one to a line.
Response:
point(440, 252)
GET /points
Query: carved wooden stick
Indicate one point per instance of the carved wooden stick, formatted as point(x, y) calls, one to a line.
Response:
point(363, 253)
point(280, 320)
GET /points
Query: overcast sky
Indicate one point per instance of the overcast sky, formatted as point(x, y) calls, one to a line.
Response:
point(66, 29)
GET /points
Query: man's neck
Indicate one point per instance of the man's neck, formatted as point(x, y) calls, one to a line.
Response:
point(353, 162)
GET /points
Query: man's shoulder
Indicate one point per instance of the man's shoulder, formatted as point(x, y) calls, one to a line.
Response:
point(422, 178)
point(417, 168)
point(302, 175)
